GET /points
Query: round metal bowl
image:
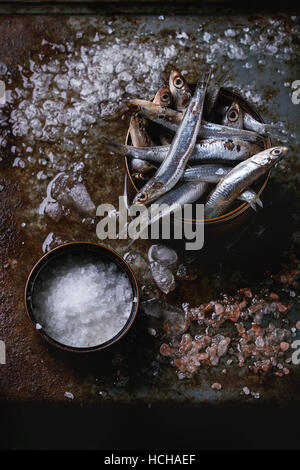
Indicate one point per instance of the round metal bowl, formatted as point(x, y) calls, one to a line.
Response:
point(239, 215)
point(57, 255)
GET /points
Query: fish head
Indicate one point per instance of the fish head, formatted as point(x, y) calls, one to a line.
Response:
point(163, 96)
point(234, 116)
point(179, 90)
point(138, 131)
point(149, 193)
point(270, 157)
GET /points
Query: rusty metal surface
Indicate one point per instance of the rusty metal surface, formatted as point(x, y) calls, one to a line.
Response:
point(134, 371)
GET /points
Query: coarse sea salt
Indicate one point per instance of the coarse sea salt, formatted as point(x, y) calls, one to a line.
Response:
point(82, 302)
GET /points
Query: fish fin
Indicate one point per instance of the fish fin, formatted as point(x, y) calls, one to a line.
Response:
point(259, 202)
point(253, 205)
point(255, 202)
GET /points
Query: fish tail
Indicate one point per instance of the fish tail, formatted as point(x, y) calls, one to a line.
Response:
point(273, 130)
point(113, 146)
point(259, 202)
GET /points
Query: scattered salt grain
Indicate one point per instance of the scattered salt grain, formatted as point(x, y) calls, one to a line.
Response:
point(38, 326)
point(47, 242)
point(216, 386)
point(206, 36)
point(182, 35)
point(152, 331)
point(69, 395)
point(246, 391)
point(82, 302)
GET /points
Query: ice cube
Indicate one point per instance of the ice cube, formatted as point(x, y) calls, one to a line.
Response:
point(163, 277)
point(164, 255)
point(81, 199)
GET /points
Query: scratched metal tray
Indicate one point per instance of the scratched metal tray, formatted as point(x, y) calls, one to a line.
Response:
point(132, 373)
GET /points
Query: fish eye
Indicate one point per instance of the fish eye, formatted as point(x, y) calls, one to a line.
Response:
point(233, 115)
point(165, 97)
point(276, 152)
point(142, 197)
point(178, 82)
point(135, 108)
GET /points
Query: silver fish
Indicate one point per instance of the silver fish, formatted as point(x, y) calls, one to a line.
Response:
point(173, 166)
point(184, 193)
point(240, 178)
point(213, 174)
point(140, 138)
point(261, 128)
point(208, 173)
point(171, 119)
point(138, 131)
point(209, 149)
point(211, 99)
point(180, 90)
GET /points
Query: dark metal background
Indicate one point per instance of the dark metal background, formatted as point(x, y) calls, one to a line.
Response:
point(131, 373)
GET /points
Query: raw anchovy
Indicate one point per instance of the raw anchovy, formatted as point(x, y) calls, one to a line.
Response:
point(155, 154)
point(171, 119)
point(260, 127)
point(213, 174)
point(248, 122)
point(163, 97)
point(155, 112)
point(240, 178)
point(209, 149)
point(212, 96)
point(172, 168)
point(138, 131)
point(184, 193)
point(207, 173)
point(180, 90)
point(140, 138)
point(211, 99)
point(233, 116)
